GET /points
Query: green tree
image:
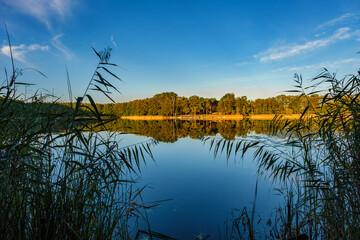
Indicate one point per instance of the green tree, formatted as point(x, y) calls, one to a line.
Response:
point(227, 104)
point(194, 104)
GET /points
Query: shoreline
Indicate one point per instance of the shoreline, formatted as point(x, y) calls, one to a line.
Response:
point(216, 117)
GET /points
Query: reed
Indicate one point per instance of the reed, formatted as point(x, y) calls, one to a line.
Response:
point(318, 164)
point(60, 177)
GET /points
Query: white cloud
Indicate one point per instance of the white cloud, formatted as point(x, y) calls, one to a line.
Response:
point(243, 63)
point(328, 64)
point(346, 16)
point(296, 49)
point(60, 6)
point(43, 10)
point(320, 34)
point(19, 52)
point(56, 42)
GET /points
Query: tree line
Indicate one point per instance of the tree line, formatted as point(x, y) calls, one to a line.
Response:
point(170, 104)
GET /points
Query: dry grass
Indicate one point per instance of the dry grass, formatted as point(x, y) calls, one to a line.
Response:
point(211, 117)
point(218, 117)
point(283, 116)
point(145, 117)
point(187, 117)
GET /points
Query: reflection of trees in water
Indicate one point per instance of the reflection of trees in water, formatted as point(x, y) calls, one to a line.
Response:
point(171, 131)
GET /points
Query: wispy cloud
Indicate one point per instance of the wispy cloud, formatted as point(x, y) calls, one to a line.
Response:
point(56, 42)
point(243, 63)
point(61, 7)
point(296, 49)
point(19, 52)
point(328, 64)
point(343, 18)
point(112, 41)
point(43, 10)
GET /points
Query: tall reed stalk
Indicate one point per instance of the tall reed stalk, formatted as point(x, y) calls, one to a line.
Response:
point(60, 178)
point(319, 163)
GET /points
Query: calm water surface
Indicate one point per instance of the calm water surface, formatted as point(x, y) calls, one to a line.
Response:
point(204, 190)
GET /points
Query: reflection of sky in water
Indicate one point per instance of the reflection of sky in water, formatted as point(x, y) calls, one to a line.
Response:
point(203, 189)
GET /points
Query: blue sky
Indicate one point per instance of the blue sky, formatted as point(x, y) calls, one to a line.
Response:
point(192, 47)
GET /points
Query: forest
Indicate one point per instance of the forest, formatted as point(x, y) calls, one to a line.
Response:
point(170, 104)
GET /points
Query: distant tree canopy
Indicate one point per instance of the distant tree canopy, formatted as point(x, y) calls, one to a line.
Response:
point(170, 104)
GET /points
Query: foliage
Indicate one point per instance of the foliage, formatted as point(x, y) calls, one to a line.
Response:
point(60, 178)
point(169, 104)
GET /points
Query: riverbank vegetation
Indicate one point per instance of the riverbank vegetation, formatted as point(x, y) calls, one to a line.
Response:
point(319, 168)
point(211, 117)
point(60, 176)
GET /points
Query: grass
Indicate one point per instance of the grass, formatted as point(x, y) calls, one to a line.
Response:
point(319, 165)
point(217, 117)
point(61, 178)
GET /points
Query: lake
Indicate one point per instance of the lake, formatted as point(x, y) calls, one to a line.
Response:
point(202, 190)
